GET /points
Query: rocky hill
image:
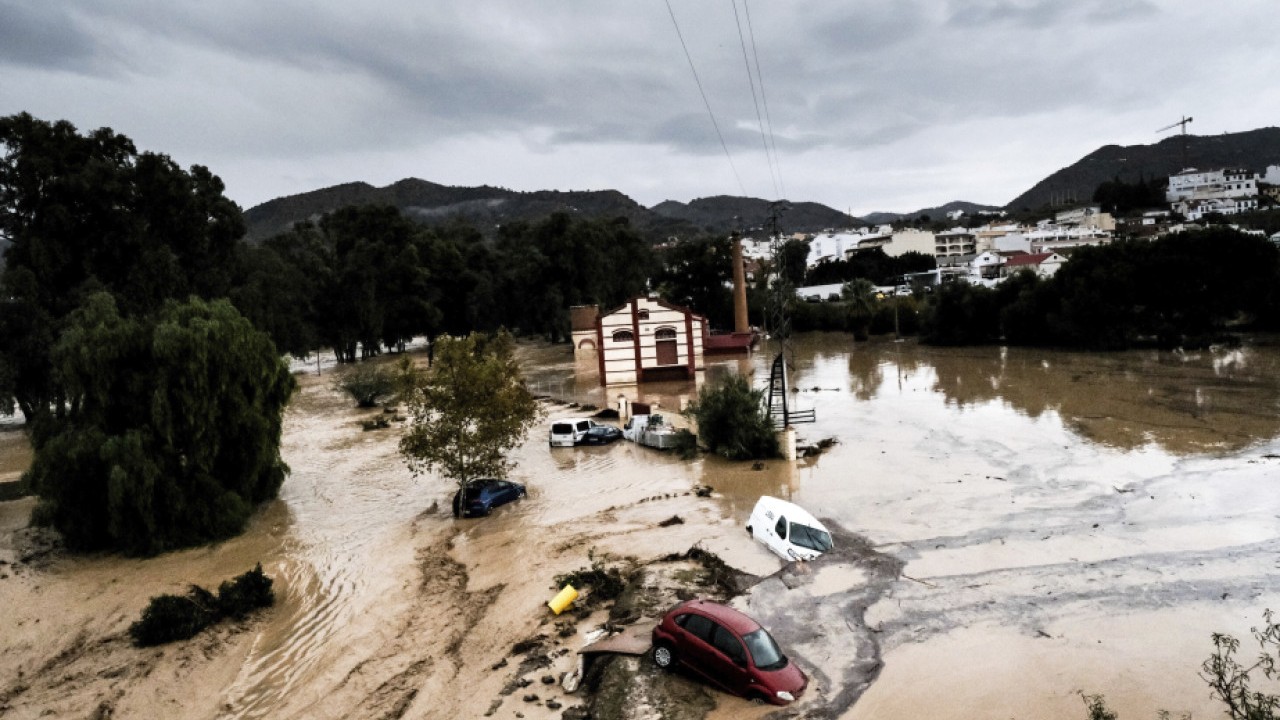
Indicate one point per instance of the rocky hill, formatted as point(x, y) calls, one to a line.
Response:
point(1254, 150)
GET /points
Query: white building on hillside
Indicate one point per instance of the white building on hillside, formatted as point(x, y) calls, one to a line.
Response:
point(1193, 184)
point(954, 242)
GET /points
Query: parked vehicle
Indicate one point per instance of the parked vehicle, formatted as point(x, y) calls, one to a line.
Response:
point(728, 649)
point(484, 495)
point(650, 430)
point(569, 431)
point(601, 435)
point(788, 530)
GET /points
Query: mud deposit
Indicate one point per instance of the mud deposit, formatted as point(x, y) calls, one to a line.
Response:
point(1013, 527)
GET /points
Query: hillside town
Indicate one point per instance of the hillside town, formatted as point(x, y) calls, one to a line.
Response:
point(988, 253)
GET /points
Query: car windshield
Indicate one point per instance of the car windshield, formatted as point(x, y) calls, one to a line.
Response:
point(811, 538)
point(764, 651)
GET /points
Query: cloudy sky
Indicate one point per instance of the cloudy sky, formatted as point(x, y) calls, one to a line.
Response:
point(865, 105)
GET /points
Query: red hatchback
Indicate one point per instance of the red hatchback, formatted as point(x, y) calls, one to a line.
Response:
point(729, 649)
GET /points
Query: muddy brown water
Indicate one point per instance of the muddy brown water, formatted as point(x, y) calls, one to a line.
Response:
point(1057, 523)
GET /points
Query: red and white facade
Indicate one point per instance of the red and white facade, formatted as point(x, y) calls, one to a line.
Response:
point(647, 339)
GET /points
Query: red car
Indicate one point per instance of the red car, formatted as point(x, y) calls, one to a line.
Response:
point(729, 649)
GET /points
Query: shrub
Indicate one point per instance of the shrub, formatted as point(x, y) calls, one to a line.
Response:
point(177, 617)
point(733, 422)
point(174, 617)
point(367, 384)
point(246, 593)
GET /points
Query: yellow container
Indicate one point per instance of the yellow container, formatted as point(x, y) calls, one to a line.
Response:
point(563, 600)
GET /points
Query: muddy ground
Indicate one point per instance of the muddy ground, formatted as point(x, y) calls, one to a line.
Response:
point(1013, 529)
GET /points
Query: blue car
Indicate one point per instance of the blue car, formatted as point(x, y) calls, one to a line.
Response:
point(485, 495)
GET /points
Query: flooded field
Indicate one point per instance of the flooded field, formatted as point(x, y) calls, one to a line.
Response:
point(1016, 527)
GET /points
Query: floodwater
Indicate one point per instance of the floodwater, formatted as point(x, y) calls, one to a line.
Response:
point(1014, 527)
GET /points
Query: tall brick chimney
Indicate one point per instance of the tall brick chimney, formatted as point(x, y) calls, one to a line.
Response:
point(740, 321)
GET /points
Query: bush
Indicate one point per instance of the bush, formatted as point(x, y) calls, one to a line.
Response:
point(367, 384)
point(246, 593)
point(733, 422)
point(174, 617)
point(178, 617)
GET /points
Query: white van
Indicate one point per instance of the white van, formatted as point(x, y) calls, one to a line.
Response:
point(788, 530)
point(569, 431)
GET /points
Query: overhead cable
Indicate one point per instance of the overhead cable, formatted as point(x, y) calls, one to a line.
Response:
point(705, 101)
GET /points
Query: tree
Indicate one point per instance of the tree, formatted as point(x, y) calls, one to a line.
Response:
point(732, 420)
point(696, 274)
point(860, 298)
point(468, 411)
point(172, 428)
point(85, 213)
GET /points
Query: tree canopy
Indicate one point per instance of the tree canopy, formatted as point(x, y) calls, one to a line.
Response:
point(172, 429)
point(87, 213)
point(468, 410)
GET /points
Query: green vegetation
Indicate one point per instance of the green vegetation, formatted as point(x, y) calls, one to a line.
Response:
point(89, 214)
point(860, 302)
point(171, 427)
point(468, 411)
point(732, 421)
point(1120, 198)
point(873, 265)
point(1186, 289)
point(367, 384)
point(168, 618)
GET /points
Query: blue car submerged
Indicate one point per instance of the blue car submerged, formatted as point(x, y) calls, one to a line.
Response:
point(484, 495)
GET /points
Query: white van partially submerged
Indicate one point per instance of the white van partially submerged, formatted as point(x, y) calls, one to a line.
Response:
point(569, 431)
point(788, 530)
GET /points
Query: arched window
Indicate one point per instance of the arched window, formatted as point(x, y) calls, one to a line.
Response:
point(665, 333)
point(621, 336)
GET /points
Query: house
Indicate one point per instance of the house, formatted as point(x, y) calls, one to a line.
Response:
point(646, 339)
point(1043, 264)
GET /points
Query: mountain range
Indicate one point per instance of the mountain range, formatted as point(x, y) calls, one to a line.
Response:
point(488, 207)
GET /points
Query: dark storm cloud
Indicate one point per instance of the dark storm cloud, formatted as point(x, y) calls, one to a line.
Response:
point(293, 94)
point(45, 35)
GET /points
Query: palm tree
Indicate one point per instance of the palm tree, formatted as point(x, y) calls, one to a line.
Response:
point(860, 297)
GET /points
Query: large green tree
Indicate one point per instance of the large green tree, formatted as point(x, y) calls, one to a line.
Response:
point(85, 213)
point(172, 427)
point(469, 410)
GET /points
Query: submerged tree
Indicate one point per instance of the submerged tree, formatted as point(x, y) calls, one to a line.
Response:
point(469, 410)
point(172, 429)
point(732, 420)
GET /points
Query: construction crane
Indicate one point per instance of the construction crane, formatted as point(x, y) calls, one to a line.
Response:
point(1183, 122)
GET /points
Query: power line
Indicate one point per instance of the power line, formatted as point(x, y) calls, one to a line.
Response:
point(754, 99)
point(705, 101)
point(764, 98)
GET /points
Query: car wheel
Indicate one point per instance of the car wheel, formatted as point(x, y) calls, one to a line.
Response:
point(749, 531)
point(663, 656)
